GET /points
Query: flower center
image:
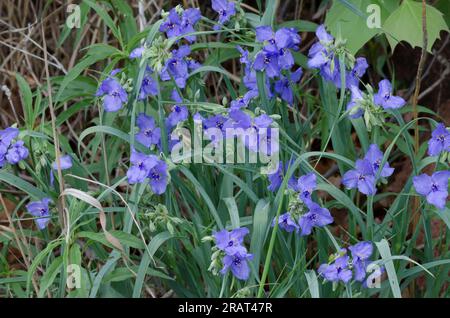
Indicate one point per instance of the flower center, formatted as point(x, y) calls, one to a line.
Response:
point(155, 176)
point(43, 212)
point(434, 187)
point(237, 261)
point(441, 138)
point(362, 177)
point(387, 96)
point(267, 60)
point(148, 133)
point(230, 243)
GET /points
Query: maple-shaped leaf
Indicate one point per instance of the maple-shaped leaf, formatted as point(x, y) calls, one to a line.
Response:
point(405, 24)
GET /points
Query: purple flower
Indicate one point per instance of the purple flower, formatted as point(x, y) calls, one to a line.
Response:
point(231, 242)
point(439, 141)
point(319, 56)
point(188, 20)
point(305, 186)
point(114, 94)
point(149, 134)
point(284, 38)
point(40, 210)
point(323, 36)
point(384, 97)
point(243, 101)
point(361, 253)
point(354, 106)
point(225, 9)
point(238, 119)
point(11, 152)
point(141, 166)
point(267, 61)
point(176, 25)
point(64, 161)
point(149, 87)
point(352, 77)
point(286, 222)
point(276, 178)
point(375, 156)
point(16, 152)
point(362, 177)
point(336, 271)
point(315, 217)
point(434, 187)
point(172, 25)
point(7, 135)
point(244, 55)
point(284, 86)
point(216, 121)
point(178, 114)
point(238, 264)
point(137, 52)
point(158, 177)
point(177, 67)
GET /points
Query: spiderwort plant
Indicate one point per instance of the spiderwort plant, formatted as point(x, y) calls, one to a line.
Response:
point(233, 253)
point(12, 151)
point(228, 71)
point(40, 210)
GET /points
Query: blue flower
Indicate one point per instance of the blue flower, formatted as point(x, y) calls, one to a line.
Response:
point(439, 141)
point(305, 186)
point(172, 25)
point(231, 241)
point(176, 25)
point(284, 86)
point(178, 66)
point(384, 97)
point(315, 217)
point(361, 253)
point(353, 76)
point(141, 166)
point(276, 178)
point(149, 87)
point(114, 94)
point(243, 101)
point(16, 152)
point(375, 156)
point(65, 163)
point(286, 222)
point(158, 177)
point(320, 56)
point(267, 61)
point(188, 20)
point(137, 52)
point(362, 177)
point(337, 271)
point(10, 151)
point(7, 136)
point(40, 210)
point(238, 263)
point(284, 38)
point(225, 9)
point(354, 106)
point(434, 187)
point(178, 114)
point(149, 134)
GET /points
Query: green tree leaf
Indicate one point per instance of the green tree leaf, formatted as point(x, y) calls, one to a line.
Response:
point(405, 24)
point(348, 20)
